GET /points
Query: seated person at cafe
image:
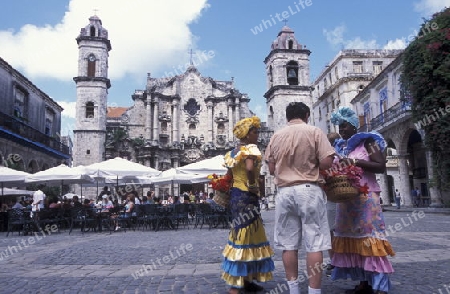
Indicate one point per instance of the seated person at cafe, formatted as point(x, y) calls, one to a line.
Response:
point(17, 205)
point(54, 203)
point(104, 192)
point(186, 198)
point(210, 199)
point(157, 200)
point(176, 200)
point(106, 204)
point(76, 202)
point(87, 203)
point(150, 195)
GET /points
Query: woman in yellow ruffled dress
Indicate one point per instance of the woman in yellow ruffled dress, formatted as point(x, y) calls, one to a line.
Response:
point(247, 255)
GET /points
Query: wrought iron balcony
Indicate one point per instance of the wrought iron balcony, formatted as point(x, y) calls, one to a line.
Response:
point(17, 130)
point(394, 113)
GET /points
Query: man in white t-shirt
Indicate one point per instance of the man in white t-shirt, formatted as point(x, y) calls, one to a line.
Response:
point(38, 199)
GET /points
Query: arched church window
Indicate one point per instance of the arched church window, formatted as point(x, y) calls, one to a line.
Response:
point(290, 44)
point(91, 66)
point(292, 72)
point(92, 31)
point(90, 110)
point(270, 75)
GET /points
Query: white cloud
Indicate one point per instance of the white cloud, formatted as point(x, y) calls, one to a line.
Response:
point(138, 30)
point(336, 36)
point(395, 44)
point(260, 111)
point(69, 108)
point(428, 7)
point(336, 39)
point(358, 43)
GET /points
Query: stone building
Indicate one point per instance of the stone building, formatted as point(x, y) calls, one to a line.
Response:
point(345, 76)
point(92, 85)
point(409, 162)
point(30, 124)
point(173, 121)
point(177, 120)
point(287, 71)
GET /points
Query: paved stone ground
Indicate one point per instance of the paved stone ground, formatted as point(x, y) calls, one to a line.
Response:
point(188, 260)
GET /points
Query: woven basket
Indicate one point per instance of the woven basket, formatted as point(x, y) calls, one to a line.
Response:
point(222, 198)
point(339, 189)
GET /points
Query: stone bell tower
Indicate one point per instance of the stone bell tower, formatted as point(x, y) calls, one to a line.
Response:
point(92, 91)
point(287, 70)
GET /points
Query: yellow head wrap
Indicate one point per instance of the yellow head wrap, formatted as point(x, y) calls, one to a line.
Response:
point(244, 125)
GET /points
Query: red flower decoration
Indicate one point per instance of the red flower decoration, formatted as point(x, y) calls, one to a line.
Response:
point(221, 183)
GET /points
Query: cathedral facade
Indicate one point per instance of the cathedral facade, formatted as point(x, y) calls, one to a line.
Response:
point(173, 121)
point(176, 120)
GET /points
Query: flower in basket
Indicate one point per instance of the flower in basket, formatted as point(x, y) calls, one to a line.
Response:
point(220, 183)
point(352, 172)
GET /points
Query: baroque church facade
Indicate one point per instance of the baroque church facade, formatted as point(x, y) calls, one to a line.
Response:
point(182, 119)
point(173, 121)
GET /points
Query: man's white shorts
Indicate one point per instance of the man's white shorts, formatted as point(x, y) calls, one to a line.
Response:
point(301, 210)
point(331, 214)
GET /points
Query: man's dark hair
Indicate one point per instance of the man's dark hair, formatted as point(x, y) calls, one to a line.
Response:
point(297, 110)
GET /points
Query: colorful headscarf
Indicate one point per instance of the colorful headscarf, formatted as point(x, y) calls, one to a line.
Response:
point(345, 114)
point(244, 125)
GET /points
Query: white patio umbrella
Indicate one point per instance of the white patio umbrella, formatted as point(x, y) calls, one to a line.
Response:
point(16, 192)
point(11, 177)
point(171, 176)
point(121, 169)
point(60, 175)
point(214, 165)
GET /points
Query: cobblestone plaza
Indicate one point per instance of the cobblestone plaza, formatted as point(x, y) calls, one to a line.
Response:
point(188, 260)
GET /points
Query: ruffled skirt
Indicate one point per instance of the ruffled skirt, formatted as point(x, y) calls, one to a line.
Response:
point(247, 255)
point(360, 246)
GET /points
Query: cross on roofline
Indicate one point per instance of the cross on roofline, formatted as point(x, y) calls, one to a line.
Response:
point(190, 59)
point(285, 21)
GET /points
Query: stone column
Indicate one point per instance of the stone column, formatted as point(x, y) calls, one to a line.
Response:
point(176, 186)
point(384, 189)
point(209, 107)
point(230, 120)
point(155, 121)
point(148, 119)
point(435, 197)
point(404, 188)
point(236, 110)
point(175, 122)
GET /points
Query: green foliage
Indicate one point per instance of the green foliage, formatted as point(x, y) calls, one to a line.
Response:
point(426, 84)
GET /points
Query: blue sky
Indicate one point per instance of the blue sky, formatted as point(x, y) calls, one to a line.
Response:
point(154, 36)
